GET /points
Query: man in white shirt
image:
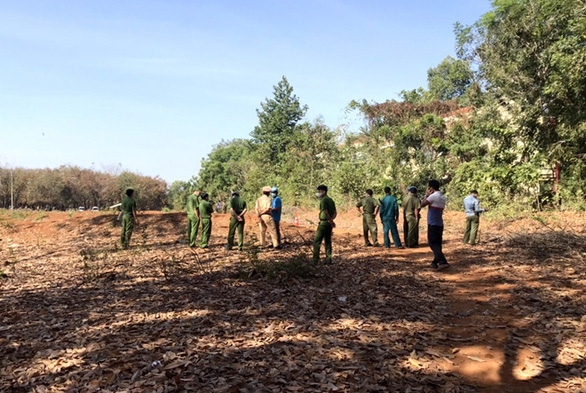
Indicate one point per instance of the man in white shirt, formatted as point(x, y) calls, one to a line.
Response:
point(435, 223)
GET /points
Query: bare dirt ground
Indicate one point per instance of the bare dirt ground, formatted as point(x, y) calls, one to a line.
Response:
point(80, 315)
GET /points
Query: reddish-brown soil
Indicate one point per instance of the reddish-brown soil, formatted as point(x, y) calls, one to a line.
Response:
point(79, 314)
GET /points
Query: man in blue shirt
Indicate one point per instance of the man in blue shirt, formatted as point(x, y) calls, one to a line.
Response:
point(277, 207)
point(473, 210)
point(435, 223)
point(389, 215)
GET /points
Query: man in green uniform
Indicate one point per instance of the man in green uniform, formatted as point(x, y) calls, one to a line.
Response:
point(237, 211)
point(192, 217)
point(370, 207)
point(205, 212)
point(411, 209)
point(129, 219)
point(327, 215)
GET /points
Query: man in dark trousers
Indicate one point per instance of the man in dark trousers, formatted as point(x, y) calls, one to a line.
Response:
point(435, 223)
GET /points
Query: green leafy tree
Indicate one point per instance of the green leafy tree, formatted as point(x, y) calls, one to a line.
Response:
point(415, 96)
point(277, 119)
point(310, 157)
point(225, 169)
point(179, 191)
point(532, 55)
point(177, 195)
point(450, 80)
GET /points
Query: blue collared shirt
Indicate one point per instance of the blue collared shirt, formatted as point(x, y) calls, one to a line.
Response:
point(472, 206)
point(389, 209)
point(277, 204)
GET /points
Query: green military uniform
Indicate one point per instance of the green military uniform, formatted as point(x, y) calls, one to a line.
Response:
point(411, 223)
point(369, 205)
point(238, 205)
point(192, 218)
point(472, 224)
point(205, 212)
point(128, 208)
point(324, 229)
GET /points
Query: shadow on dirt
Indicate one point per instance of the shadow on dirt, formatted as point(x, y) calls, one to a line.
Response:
point(367, 323)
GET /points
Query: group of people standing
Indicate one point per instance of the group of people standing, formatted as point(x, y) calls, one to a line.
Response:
point(388, 209)
point(268, 208)
point(434, 199)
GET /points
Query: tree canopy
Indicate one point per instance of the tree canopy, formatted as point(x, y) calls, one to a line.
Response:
point(277, 119)
point(503, 117)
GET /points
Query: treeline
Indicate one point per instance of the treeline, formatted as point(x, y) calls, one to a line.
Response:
point(506, 117)
point(70, 187)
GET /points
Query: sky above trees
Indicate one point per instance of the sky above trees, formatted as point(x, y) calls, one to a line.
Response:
point(151, 86)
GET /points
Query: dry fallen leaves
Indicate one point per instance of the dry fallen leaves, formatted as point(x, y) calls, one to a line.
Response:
point(80, 316)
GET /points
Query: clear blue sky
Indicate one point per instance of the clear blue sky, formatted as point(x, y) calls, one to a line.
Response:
point(151, 86)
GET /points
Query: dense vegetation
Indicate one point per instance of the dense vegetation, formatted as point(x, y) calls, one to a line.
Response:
point(70, 187)
point(506, 117)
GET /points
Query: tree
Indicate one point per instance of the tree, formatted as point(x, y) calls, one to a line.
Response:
point(415, 96)
point(277, 119)
point(69, 187)
point(225, 169)
point(310, 156)
point(449, 80)
point(179, 191)
point(531, 57)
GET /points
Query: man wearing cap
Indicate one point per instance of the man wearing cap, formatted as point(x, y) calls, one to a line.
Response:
point(129, 219)
point(370, 207)
point(193, 218)
point(327, 215)
point(237, 212)
point(205, 212)
point(389, 215)
point(277, 207)
point(473, 210)
point(411, 209)
point(435, 223)
point(263, 211)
